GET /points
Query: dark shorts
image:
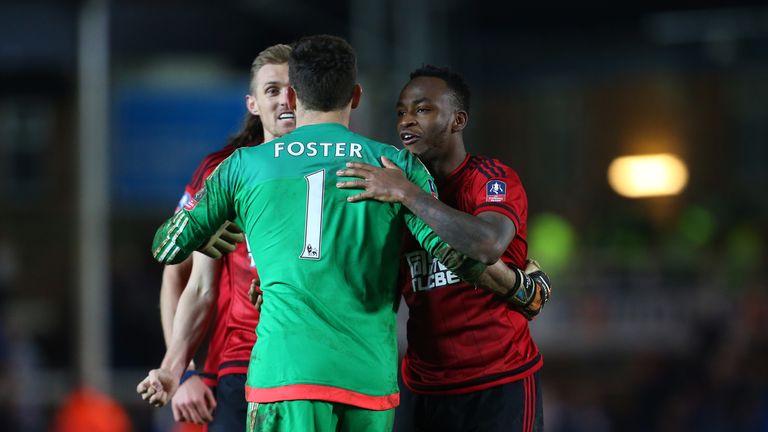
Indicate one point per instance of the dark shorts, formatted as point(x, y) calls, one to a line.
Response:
point(231, 407)
point(511, 407)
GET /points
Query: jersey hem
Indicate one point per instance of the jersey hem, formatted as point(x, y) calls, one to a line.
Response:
point(233, 370)
point(209, 378)
point(473, 385)
point(321, 392)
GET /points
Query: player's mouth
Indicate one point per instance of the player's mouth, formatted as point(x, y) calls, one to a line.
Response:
point(288, 116)
point(408, 138)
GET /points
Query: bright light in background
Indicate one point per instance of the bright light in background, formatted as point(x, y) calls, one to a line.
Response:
point(647, 175)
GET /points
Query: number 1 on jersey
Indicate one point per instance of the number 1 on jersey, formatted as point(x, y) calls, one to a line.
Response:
point(314, 218)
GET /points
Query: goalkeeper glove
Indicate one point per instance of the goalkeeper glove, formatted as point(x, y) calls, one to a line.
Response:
point(532, 290)
point(225, 240)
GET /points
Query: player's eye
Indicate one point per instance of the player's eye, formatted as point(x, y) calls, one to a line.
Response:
point(421, 110)
point(400, 113)
point(272, 91)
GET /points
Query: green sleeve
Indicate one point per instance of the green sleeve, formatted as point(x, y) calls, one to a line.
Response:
point(460, 264)
point(213, 205)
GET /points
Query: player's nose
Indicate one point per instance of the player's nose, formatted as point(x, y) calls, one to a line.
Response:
point(283, 99)
point(406, 120)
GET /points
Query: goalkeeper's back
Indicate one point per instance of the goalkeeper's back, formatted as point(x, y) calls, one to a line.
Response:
point(302, 232)
point(328, 268)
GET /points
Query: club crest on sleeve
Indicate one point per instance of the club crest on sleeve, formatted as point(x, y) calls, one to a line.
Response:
point(432, 188)
point(194, 200)
point(495, 191)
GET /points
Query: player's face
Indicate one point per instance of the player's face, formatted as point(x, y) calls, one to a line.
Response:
point(270, 101)
point(424, 115)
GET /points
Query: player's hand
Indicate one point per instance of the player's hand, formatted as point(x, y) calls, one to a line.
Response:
point(531, 291)
point(158, 387)
point(193, 402)
point(254, 293)
point(225, 240)
point(543, 288)
point(387, 184)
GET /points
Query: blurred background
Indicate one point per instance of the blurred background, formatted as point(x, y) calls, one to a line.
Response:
point(659, 320)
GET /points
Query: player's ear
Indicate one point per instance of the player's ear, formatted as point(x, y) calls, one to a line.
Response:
point(357, 93)
point(291, 98)
point(250, 103)
point(460, 119)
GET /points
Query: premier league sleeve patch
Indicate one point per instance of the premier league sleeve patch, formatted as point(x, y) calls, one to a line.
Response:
point(495, 191)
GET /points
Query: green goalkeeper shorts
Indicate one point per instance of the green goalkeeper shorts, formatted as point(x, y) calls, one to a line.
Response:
point(316, 416)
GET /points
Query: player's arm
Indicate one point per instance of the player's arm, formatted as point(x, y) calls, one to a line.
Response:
point(193, 401)
point(457, 261)
point(527, 291)
point(175, 278)
point(193, 395)
point(193, 315)
point(483, 237)
point(192, 226)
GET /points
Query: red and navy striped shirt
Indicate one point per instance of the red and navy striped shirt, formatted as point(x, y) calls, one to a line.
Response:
point(463, 339)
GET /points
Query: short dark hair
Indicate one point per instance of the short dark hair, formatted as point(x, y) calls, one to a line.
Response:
point(323, 71)
point(454, 81)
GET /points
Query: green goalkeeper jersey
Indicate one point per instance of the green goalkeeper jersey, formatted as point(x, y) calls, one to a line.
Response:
point(328, 268)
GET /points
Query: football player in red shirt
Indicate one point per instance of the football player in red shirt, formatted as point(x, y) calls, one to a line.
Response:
point(186, 312)
point(471, 363)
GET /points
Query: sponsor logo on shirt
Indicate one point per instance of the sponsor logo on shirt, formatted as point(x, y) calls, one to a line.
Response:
point(427, 272)
point(194, 200)
point(495, 191)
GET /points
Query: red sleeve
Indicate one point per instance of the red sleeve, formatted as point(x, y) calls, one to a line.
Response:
point(498, 189)
point(206, 167)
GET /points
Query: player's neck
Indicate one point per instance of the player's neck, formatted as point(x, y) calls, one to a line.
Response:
point(445, 164)
point(306, 117)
